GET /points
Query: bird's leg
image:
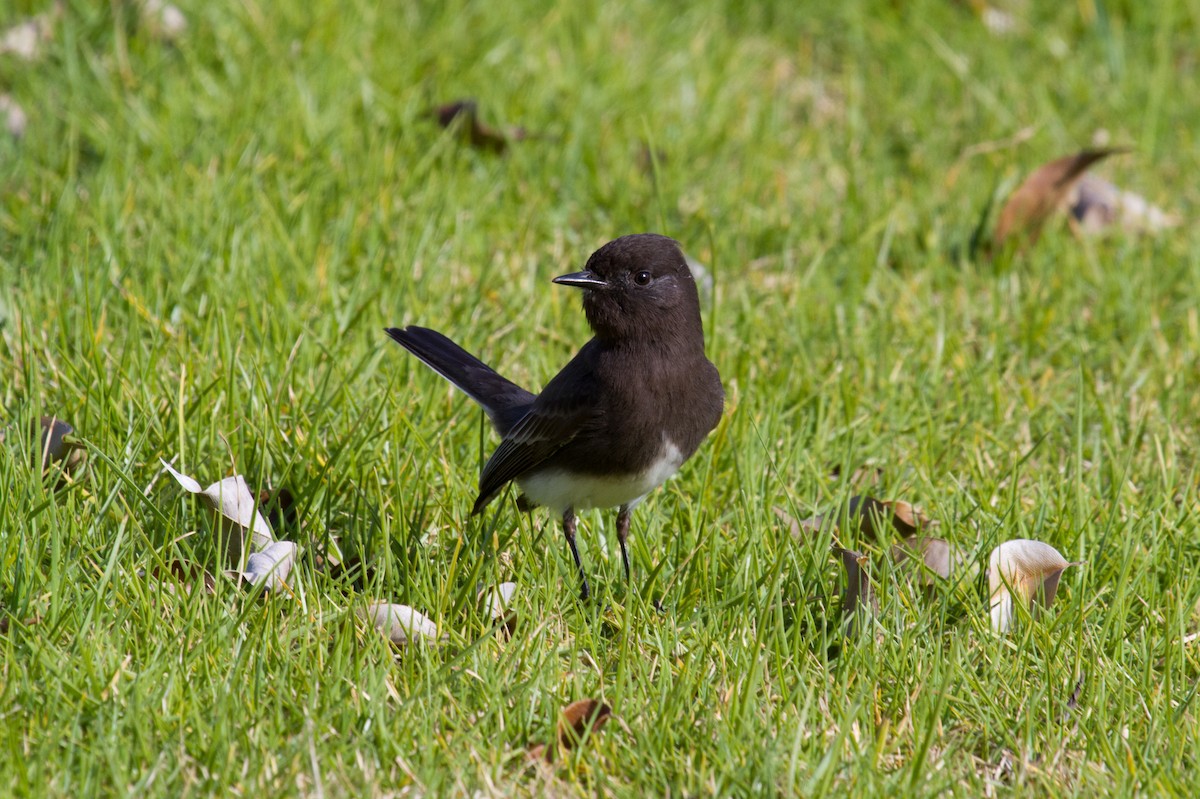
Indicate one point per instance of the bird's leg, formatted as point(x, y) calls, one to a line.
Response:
point(569, 532)
point(623, 517)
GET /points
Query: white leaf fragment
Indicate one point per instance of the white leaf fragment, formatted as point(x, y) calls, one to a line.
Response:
point(25, 39)
point(1025, 571)
point(272, 565)
point(400, 623)
point(14, 117)
point(164, 20)
point(1097, 205)
point(499, 603)
point(233, 504)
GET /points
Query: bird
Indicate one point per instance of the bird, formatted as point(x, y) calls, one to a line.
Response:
point(622, 416)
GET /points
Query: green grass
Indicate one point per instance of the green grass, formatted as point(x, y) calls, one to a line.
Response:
point(201, 241)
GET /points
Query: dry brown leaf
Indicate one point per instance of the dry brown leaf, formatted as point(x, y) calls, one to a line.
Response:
point(858, 593)
point(6, 622)
point(1040, 196)
point(400, 623)
point(1096, 206)
point(874, 517)
point(57, 446)
point(465, 115)
point(581, 718)
point(1024, 571)
point(233, 506)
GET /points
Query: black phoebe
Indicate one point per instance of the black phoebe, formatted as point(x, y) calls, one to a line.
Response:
point(623, 415)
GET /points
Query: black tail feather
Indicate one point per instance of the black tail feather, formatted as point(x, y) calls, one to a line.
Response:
point(503, 400)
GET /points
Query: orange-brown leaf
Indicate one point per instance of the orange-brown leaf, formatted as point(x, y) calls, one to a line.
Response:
point(1042, 193)
point(579, 718)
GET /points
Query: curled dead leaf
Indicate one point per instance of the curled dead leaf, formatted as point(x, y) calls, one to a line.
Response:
point(58, 446)
point(800, 529)
point(235, 510)
point(858, 593)
point(1041, 195)
point(26, 39)
point(498, 605)
point(464, 116)
point(581, 718)
point(876, 518)
point(7, 620)
point(15, 120)
point(936, 555)
point(1023, 571)
point(271, 566)
point(399, 623)
point(162, 20)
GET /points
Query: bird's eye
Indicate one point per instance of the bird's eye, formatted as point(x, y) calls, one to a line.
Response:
point(642, 278)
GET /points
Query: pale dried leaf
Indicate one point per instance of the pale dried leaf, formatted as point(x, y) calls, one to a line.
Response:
point(271, 566)
point(233, 504)
point(1042, 193)
point(1022, 571)
point(15, 120)
point(163, 20)
point(25, 39)
point(936, 554)
point(499, 605)
point(1097, 205)
point(400, 623)
point(803, 528)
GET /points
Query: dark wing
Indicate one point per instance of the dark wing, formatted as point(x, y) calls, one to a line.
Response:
point(549, 426)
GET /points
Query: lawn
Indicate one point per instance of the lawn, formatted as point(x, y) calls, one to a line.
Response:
point(204, 231)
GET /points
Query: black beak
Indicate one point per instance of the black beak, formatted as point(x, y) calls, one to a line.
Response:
point(581, 280)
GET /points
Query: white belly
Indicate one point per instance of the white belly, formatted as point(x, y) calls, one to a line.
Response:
point(559, 489)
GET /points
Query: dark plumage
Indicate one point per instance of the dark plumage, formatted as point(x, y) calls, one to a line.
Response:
point(623, 415)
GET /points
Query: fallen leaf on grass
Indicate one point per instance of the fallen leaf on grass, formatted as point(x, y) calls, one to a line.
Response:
point(6, 622)
point(936, 554)
point(876, 518)
point(465, 115)
point(802, 528)
point(162, 20)
point(25, 39)
point(270, 566)
point(400, 623)
point(233, 506)
point(579, 720)
point(1041, 195)
point(1025, 571)
point(57, 446)
point(15, 120)
point(1096, 205)
point(499, 605)
point(858, 592)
